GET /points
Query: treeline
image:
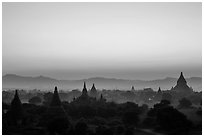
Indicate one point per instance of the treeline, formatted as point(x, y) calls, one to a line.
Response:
point(100, 118)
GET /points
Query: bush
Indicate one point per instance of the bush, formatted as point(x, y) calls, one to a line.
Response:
point(173, 121)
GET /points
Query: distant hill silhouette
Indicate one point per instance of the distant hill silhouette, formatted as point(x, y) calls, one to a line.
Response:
point(45, 83)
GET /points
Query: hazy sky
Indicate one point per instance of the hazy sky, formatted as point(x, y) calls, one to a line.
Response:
point(120, 40)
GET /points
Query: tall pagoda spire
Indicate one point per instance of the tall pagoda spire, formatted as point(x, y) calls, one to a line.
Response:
point(55, 99)
point(93, 87)
point(159, 90)
point(181, 80)
point(133, 88)
point(16, 101)
point(84, 91)
point(55, 110)
point(93, 92)
point(182, 86)
point(16, 108)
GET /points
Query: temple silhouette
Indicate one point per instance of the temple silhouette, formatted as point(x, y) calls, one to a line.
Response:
point(182, 87)
point(93, 92)
point(86, 98)
point(16, 112)
point(55, 109)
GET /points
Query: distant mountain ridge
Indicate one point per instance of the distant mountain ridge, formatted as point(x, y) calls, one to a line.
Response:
point(12, 81)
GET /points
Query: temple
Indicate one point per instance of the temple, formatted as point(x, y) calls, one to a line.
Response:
point(16, 110)
point(85, 98)
point(84, 91)
point(55, 108)
point(133, 88)
point(159, 90)
point(181, 86)
point(55, 99)
point(93, 92)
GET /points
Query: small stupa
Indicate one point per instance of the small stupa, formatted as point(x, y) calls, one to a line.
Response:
point(133, 88)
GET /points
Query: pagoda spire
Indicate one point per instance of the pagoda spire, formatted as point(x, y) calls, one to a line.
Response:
point(182, 86)
point(133, 88)
point(16, 102)
point(16, 108)
point(84, 85)
point(93, 87)
point(159, 90)
point(55, 99)
point(84, 91)
point(93, 92)
point(181, 80)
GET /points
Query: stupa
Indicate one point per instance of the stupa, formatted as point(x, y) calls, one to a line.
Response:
point(181, 86)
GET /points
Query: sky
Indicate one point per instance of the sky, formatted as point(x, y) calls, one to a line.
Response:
point(116, 40)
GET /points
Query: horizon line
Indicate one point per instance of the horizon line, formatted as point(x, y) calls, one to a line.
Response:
point(98, 77)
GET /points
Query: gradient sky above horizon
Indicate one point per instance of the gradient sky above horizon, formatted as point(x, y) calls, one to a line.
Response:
point(118, 40)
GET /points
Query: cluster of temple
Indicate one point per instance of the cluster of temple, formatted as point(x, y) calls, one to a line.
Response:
point(56, 108)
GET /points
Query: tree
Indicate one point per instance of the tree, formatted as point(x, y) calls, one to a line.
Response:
point(81, 127)
point(184, 103)
point(35, 100)
point(58, 125)
point(173, 121)
point(130, 118)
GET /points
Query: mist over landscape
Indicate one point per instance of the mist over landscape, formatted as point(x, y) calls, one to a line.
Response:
point(101, 68)
point(11, 81)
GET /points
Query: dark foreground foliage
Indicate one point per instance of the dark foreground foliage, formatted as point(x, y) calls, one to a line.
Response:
point(99, 118)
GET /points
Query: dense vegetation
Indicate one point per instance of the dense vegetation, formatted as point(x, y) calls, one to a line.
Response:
point(98, 116)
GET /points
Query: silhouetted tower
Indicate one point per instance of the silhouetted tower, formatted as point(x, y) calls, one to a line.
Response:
point(84, 91)
point(93, 92)
point(16, 110)
point(181, 81)
point(133, 88)
point(54, 111)
point(55, 108)
point(158, 96)
point(159, 90)
point(182, 86)
point(55, 99)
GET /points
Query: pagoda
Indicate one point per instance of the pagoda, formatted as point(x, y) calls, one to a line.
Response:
point(84, 98)
point(181, 86)
point(133, 88)
point(159, 91)
point(55, 108)
point(55, 99)
point(16, 112)
point(84, 91)
point(93, 92)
